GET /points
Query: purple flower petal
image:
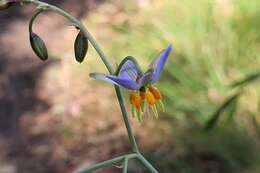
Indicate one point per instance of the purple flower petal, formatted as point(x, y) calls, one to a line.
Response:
point(159, 62)
point(126, 83)
point(128, 69)
point(147, 77)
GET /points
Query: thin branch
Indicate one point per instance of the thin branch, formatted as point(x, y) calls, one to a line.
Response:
point(125, 165)
point(108, 163)
point(146, 164)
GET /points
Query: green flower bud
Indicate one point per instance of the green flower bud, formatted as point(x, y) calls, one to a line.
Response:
point(80, 47)
point(38, 46)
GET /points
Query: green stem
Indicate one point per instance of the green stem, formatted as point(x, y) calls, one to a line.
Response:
point(34, 15)
point(125, 164)
point(102, 55)
point(108, 163)
point(147, 164)
point(126, 120)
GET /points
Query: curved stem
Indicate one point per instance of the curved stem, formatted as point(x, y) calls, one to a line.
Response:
point(102, 55)
point(34, 15)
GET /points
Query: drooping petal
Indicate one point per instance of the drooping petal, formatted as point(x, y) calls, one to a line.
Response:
point(128, 69)
point(126, 83)
point(158, 64)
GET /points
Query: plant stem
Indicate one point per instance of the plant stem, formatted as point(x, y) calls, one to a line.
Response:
point(126, 120)
point(109, 162)
point(125, 164)
point(34, 15)
point(147, 164)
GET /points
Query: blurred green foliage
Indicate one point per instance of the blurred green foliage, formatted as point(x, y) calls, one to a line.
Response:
point(215, 44)
point(211, 81)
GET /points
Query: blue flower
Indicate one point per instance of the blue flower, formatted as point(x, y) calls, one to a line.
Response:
point(129, 76)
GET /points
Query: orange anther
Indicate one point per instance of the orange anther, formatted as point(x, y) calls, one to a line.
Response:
point(150, 98)
point(156, 93)
point(136, 100)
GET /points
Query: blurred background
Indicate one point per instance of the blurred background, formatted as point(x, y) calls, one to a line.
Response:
point(54, 118)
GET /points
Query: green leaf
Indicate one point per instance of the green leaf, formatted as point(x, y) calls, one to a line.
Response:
point(247, 80)
point(211, 123)
point(80, 47)
point(38, 46)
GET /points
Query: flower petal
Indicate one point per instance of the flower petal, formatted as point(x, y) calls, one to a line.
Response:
point(159, 62)
point(128, 84)
point(147, 77)
point(128, 69)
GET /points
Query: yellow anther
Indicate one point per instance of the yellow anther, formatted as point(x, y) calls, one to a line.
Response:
point(136, 100)
point(156, 93)
point(150, 98)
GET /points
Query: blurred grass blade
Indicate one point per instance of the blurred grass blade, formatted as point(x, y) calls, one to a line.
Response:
point(80, 47)
point(232, 111)
point(256, 126)
point(247, 80)
point(216, 115)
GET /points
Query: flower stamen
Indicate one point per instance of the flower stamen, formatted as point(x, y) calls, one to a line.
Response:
point(135, 100)
point(150, 98)
point(156, 93)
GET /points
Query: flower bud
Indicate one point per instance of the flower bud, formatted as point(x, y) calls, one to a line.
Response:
point(80, 47)
point(38, 46)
